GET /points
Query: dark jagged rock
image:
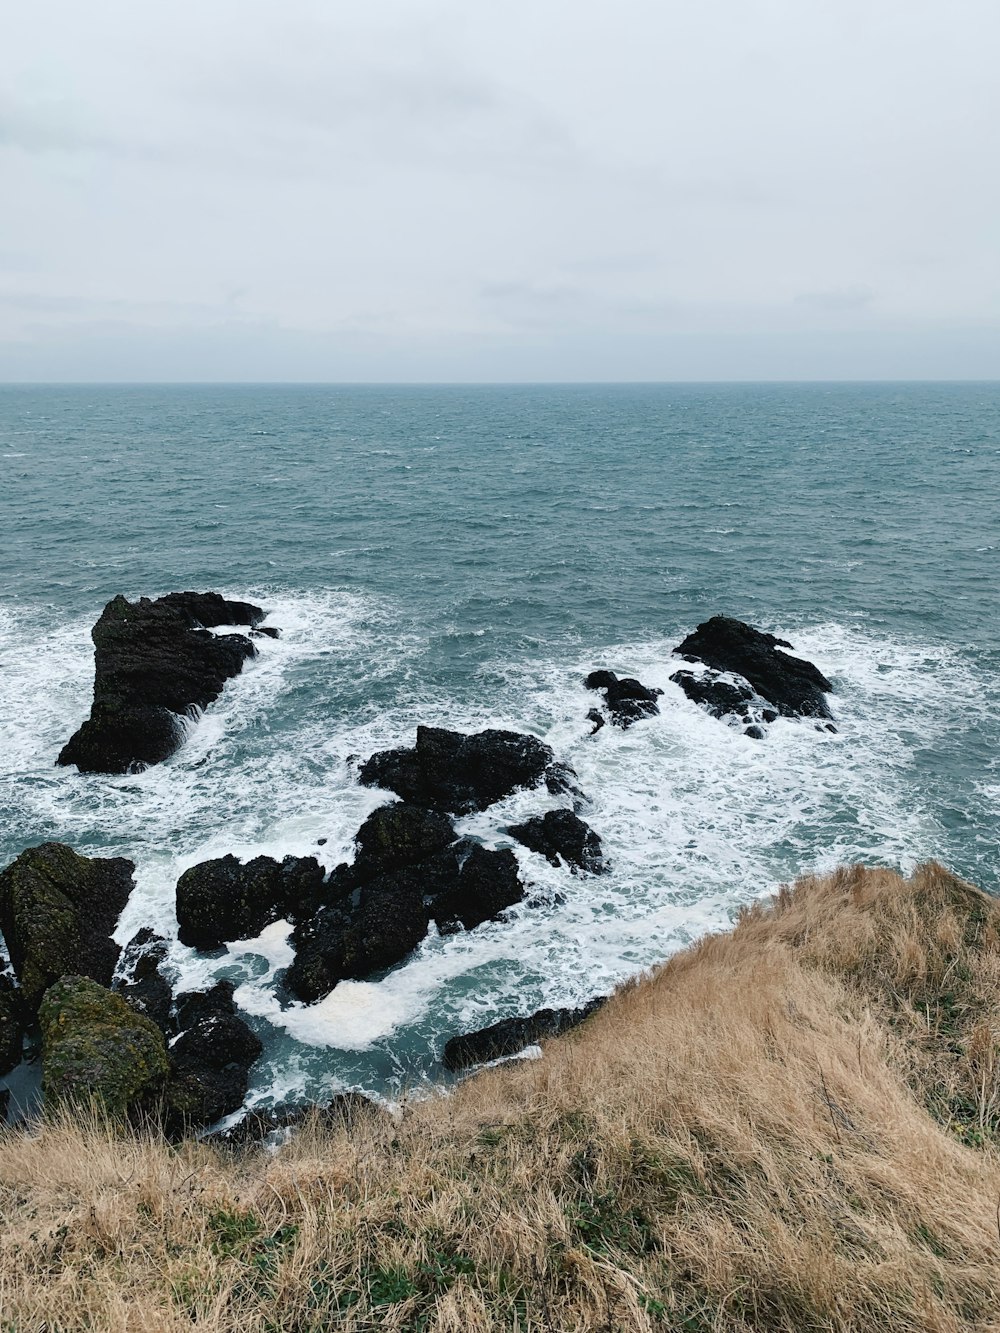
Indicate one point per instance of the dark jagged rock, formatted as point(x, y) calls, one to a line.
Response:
point(139, 979)
point(512, 1035)
point(597, 717)
point(486, 884)
point(562, 834)
point(720, 697)
point(626, 699)
point(95, 1046)
point(210, 1060)
point(57, 912)
point(793, 686)
point(347, 1110)
point(458, 774)
point(400, 835)
point(225, 899)
point(347, 942)
point(154, 661)
point(11, 1025)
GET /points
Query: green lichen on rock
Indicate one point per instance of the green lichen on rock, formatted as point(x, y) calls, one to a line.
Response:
point(96, 1047)
point(57, 912)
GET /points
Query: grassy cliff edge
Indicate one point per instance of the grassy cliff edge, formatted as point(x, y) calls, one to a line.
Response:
point(791, 1126)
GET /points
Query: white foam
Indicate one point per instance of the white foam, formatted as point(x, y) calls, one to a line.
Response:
point(696, 818)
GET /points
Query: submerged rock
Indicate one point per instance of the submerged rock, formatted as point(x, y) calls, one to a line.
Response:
point(626, 699)
point(57, 912)
point(512, 1035)
point(225, 899)
point(562, 835)
point(209, 1061)
point(452, 772)
point(154, 661)
point(95, 1046)
point(793, 686)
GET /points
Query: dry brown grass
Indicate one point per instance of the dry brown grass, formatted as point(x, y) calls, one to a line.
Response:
point(789, 1127)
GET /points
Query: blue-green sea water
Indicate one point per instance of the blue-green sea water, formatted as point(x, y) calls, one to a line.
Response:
point(463, 556)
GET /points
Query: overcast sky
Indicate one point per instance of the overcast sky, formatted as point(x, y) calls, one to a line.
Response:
point(487, 190)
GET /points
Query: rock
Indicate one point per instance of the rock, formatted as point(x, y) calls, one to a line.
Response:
point(399, 835)
point(210, 1060)
point(339, 942)
point(626, 699)
point(597, 717)
point(512, 1035)
point(459, 885)
point(795, 687)
point(4, 1104)
point(347, 1110)
point(455, 773)
point(560, 834)
point(155, 661)
point(139, 979)
point(486, 884)
point(755, 732)
point(95, 1046)
point(265, 632)
point(11, 1024)
point(720, 697)
point(57, 912)
point(225, 899)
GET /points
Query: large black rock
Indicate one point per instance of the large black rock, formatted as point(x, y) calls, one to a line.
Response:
point(793, 686)
point(57, 912)
point(512, 1035)
point(209, 1061)
point(449, 771)
point(409, 870)
point(154, 661)
point(139, 980)
point(225, 899)
point(560, 834)
point(626, 699)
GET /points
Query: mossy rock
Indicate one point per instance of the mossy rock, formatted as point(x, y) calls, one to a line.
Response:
point(57, 912)
point(96, 1047)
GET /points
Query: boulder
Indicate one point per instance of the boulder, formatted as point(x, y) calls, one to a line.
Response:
point(209, 1061)
point(626, 699)
point(155, 661)
point(96, 1047)
point(512, 1035)
point(225, 899)
point(57, 912)
point(399, 835)
point(455, 773)
point(560, 835)
point(11, 1024)
point(486, 883)
point(139, 979)
point(791, 685)
point(458, 886)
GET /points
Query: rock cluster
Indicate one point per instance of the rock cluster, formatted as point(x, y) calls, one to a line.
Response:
point(561, 836)
point(154, 662)
point(626, 699)
point(768, 682)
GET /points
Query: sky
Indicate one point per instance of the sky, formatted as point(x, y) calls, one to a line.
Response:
point(429, 190)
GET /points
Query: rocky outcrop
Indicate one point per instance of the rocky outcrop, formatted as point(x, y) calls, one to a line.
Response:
point(57, 912)
point(561, 836)
point(512, 1035)
point(225, 899)
point(155, 661)
point(209, 1061)
point(791, 686)
point(455, 773)
point(11, 1024)
point(409, 870)
point(139, 978)
point(96, 1047)
point(625, 699)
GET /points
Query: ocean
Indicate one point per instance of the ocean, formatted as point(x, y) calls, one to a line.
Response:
point(463, 556)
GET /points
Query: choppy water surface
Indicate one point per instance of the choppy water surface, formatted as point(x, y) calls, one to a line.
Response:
point(463, 556)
